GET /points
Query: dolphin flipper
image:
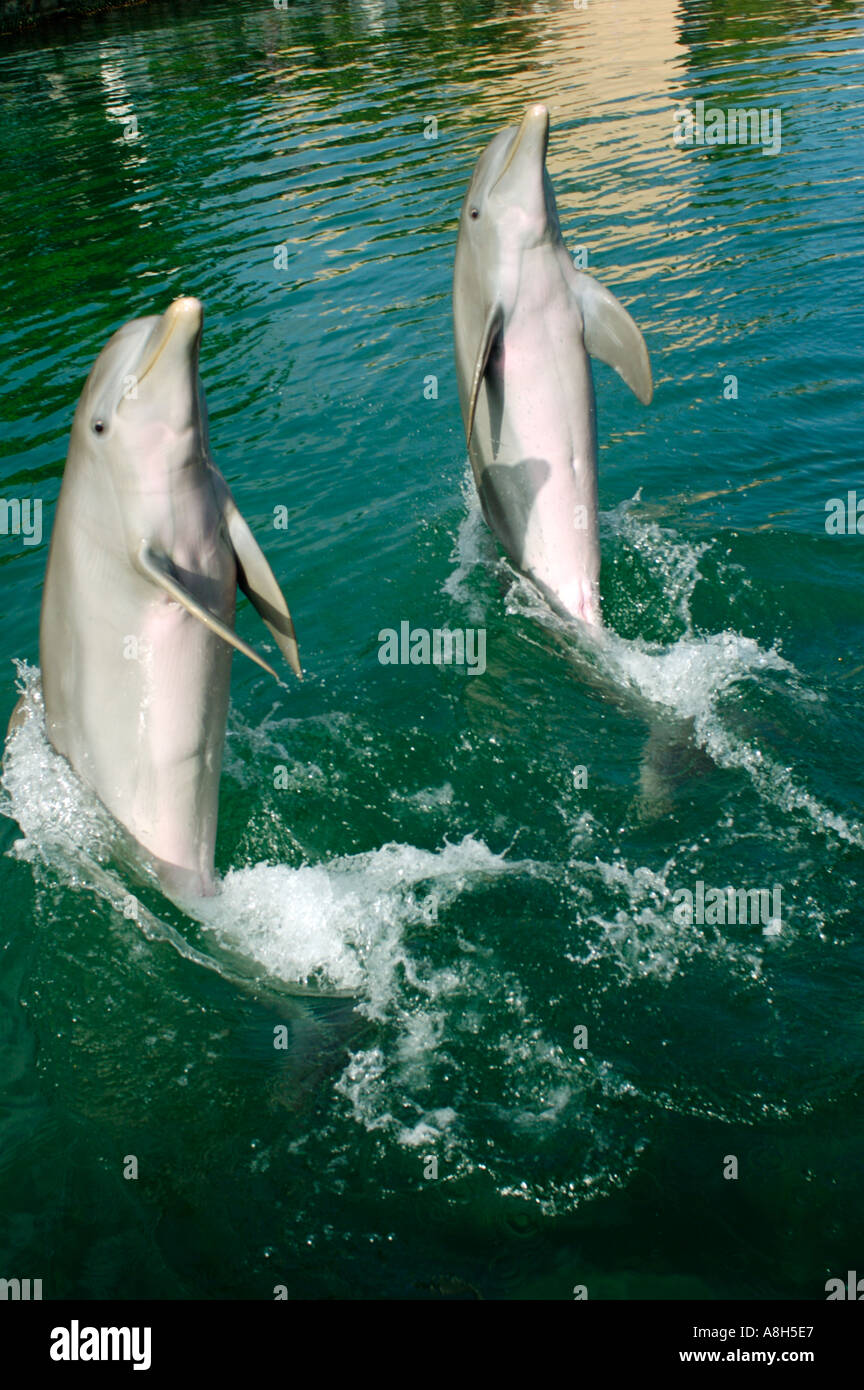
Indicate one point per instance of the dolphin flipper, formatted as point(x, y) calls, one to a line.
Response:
point(491, 329)
point(611, 335)
point(259, 583)
point(159, 569)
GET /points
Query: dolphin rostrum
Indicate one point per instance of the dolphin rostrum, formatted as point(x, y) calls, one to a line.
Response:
point(137, 625)
point(525, 321)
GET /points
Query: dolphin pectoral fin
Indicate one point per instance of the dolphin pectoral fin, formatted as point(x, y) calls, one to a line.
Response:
point(491, 329)
point(611, 334)
point(158, 569)
point(259, 584)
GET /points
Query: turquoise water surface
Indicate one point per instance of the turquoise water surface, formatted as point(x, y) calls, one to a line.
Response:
point(416, 842)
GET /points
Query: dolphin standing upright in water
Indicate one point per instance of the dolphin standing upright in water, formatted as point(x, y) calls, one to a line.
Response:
point(136, 634)
point(525, 322)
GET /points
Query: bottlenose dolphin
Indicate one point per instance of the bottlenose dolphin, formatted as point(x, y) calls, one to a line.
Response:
point(525, 321)
point(136, 633)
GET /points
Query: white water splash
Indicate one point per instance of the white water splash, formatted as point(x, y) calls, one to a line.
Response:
point(338, 925)
point(342, 923)
point(690, 676)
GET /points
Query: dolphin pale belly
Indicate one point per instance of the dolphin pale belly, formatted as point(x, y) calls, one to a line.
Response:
point(525, 322)
point(137, 625)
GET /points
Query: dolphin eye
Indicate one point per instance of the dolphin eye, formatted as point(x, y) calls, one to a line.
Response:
point(98, 426)
point(475, 213)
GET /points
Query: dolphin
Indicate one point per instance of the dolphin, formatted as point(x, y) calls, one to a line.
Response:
point(137, 626)
point(525, 322)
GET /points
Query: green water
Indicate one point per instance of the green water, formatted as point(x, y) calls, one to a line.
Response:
point(415, 836)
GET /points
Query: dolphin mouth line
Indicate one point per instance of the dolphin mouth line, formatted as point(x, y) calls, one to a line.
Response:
point(527, 121)
point(164, 339)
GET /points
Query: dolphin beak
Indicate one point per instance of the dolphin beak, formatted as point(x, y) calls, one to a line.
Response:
point(181, 326)
point(527, 157)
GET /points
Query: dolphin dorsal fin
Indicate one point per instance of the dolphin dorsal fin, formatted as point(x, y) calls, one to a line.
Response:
point(491, 329)
point(160, 570)
point(611, 335)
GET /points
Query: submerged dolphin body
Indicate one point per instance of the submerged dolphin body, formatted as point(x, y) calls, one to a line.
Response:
point(136, 632)
point(525, 321)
